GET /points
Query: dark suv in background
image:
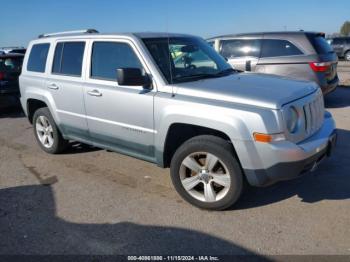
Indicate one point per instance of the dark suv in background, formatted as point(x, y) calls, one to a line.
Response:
point(341, 46)
point(10, 69)
point(299, 55)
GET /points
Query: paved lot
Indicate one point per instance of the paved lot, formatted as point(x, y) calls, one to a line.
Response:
point(344, 72)
point(90, 201)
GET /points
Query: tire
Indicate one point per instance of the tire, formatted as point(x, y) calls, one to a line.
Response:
point(56, 143)
point(347, 56)
point(216, 158)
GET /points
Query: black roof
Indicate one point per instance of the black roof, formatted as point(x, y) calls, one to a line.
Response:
point(11, 55)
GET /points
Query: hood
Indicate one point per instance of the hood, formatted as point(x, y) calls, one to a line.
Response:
point(249, 88)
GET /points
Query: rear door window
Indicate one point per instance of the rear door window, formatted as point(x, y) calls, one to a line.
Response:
point(68, 59)
point(37, 58)
point(275, 47)
point(320, 44)
point(56, 67)
point(240, 48)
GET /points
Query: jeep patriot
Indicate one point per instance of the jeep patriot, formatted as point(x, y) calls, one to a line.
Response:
point(172, 100)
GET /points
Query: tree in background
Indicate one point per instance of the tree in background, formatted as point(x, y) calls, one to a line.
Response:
point(345, 28)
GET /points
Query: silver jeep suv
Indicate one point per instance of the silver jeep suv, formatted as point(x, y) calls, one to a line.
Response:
point(172, 100)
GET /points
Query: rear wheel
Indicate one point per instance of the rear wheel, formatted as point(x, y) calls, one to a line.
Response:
point(347, 56)
point(206, 173)
point(46, 132)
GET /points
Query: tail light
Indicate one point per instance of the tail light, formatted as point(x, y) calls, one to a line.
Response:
point(2, 76)
point(320, 67)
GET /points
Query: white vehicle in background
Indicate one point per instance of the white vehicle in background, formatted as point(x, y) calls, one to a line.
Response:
point(13, 49)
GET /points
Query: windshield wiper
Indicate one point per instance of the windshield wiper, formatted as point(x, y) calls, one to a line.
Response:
point(227, 71)
point(195, 77)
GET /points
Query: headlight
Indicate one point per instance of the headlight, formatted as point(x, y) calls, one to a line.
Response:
point(292, 119)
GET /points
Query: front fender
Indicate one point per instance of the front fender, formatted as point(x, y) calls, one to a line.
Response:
point(236, 121)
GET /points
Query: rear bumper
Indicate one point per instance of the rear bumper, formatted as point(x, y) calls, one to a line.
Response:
point(8, 89)
point(9, 92)
point(286, 160)
point(331, 86)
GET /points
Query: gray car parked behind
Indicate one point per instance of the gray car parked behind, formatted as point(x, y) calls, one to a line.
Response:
point(300, 55)
point(341, 46)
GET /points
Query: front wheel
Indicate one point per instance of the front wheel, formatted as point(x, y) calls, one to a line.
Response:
point(206, 173)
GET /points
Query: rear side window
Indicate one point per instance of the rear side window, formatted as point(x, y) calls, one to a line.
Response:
point(274, 47)
point(341, 41)
point(37, 58)
point(337, 41)
point(107, 57)
point(11, 64)
point(320, 44)
point(68, 59)
point(211, 43)
point(240, 48)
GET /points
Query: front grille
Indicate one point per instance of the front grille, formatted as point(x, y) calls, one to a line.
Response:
point(314, 114)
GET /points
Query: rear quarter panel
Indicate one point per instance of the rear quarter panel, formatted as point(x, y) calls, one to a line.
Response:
point(32, 84)
point(296, 67)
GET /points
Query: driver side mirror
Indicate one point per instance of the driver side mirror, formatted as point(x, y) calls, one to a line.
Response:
point(133, 77)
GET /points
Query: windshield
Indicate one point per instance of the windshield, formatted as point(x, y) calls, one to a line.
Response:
point(183, 59)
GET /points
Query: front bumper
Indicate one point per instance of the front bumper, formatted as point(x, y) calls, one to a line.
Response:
point(286, 160)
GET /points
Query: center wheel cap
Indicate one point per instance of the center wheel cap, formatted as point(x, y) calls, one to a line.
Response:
point(204, 175)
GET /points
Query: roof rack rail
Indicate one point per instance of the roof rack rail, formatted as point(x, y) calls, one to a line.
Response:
point(85, 31)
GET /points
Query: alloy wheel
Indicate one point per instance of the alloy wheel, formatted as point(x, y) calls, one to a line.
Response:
point(205, 177)
point(347, 56)
point(44, 131)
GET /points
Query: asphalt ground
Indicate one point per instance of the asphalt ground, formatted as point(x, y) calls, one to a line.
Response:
point(344, 72)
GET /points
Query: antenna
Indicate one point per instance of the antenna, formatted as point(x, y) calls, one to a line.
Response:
point(167, 31)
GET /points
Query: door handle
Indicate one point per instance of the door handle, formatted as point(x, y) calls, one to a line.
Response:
point(94, 93)
point(248, 65)
point(53, 86)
